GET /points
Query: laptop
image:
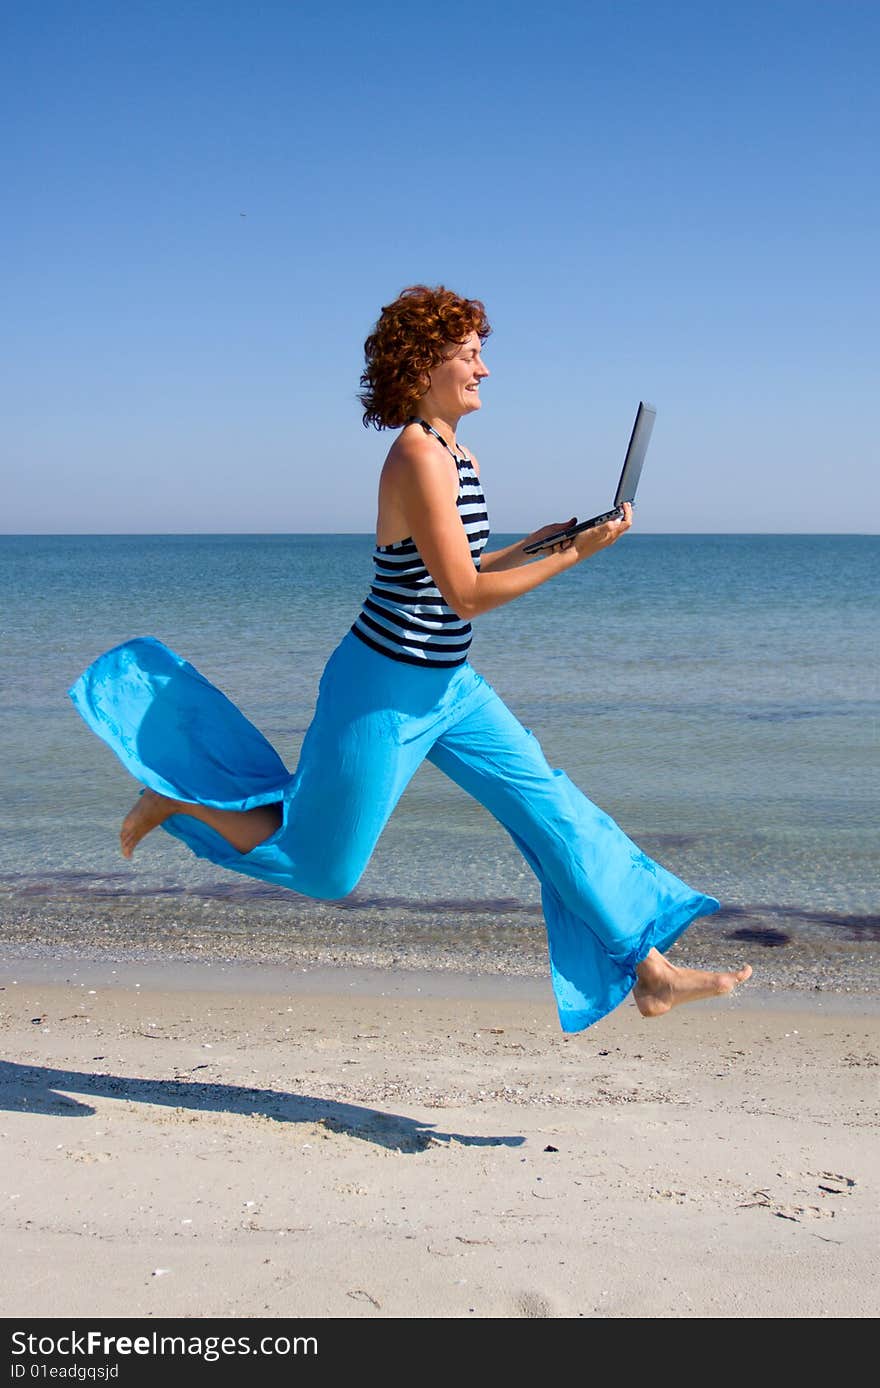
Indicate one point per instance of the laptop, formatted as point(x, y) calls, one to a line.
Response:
point(626, 487)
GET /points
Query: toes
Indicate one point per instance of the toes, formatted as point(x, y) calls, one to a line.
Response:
point(732, 980)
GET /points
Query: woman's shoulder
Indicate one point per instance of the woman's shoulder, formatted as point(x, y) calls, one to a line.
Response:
point(416, 465)
point(414, 449)
point(412, 442)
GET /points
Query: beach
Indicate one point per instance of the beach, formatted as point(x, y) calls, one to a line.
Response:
point(221, 1099)
point(225, 1139)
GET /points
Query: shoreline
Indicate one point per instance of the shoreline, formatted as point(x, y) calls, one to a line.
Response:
point(487, 938)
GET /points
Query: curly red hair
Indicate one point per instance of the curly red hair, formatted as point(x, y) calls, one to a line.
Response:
point(413, 335)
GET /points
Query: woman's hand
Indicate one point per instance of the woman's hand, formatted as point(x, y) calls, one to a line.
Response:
point(601, 536)
point(546, 531)
point(590, 542)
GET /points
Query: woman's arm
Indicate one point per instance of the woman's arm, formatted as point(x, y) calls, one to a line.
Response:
point(512, 556)
point(423, 487)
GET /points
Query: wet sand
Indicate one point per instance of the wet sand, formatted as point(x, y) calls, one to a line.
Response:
point(228, 1138)
point(237, 920)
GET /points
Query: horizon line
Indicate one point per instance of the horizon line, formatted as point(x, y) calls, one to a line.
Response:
point(369, 534)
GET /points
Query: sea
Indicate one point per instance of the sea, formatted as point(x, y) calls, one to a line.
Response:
point(718, 695)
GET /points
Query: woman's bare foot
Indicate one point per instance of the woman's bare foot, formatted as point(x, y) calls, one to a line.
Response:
point(147, 812)
point(662, 986)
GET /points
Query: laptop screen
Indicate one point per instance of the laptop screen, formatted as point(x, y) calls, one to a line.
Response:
point(635, 454)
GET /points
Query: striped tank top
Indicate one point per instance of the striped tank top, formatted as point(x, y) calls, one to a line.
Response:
point(405, 615)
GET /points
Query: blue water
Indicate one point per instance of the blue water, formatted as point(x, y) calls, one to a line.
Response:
point(717, 694)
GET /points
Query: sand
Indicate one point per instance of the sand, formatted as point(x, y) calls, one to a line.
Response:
point(219, 1141)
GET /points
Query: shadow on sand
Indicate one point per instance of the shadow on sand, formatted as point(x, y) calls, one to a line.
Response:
point(37, 1089)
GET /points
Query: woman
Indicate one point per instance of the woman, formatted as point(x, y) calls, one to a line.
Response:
point(399, 689)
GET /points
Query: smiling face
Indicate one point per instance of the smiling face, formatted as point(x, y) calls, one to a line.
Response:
point(455, 382)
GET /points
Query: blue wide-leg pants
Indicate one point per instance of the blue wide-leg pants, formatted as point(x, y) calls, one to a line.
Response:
point(605, 902)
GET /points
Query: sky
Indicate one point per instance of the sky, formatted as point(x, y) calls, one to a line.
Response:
point(207, 203)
